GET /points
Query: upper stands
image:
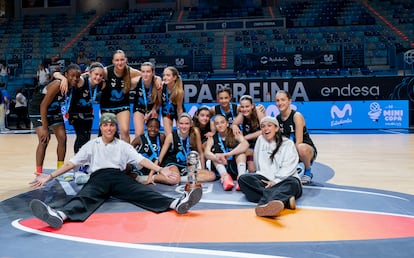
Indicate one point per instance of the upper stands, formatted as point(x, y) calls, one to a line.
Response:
point(367, 36)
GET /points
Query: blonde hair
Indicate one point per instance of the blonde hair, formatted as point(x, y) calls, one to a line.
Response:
point(126, 73)
point(192, 133)
point(178, 89)
point(154, 91)
point(231, 141)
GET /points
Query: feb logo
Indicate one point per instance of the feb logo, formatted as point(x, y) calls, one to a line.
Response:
point(179, 61)
point(328, 58)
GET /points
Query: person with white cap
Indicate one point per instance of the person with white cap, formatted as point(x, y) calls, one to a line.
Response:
point(108, 157)
point(276, 184)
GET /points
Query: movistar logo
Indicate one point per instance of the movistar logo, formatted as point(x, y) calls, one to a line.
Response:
point(340, 113)
point(116, 95)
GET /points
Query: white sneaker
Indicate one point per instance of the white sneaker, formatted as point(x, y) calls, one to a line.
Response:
point(43, 212)
point(188, 200)
point(81, 178)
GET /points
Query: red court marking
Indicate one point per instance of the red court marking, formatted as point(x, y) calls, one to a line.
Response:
point(234, 225)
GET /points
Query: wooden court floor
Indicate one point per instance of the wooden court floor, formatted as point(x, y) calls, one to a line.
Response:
point(381, 161)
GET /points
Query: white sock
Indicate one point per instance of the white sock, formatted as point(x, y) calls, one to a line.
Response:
point(208, 164)
point(142, 179)
point(221, 169)
point(62, 215)
point(241, 169)
point(173, 204)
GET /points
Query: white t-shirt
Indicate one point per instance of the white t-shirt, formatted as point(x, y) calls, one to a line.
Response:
point(99, 155)
point(21, 100)
point(4, 71)
point(43, 76)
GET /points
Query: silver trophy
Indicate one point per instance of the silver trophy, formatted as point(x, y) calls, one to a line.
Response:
point(192, 162)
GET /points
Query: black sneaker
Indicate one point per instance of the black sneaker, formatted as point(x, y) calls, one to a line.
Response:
point(292, 203)
point(270, 209)
point(43, 212)
point(188, 200)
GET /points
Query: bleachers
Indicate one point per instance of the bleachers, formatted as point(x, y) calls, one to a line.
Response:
point(330, 25)
point(33, 39)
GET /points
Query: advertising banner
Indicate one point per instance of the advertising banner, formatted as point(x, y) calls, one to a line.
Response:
point(328, 115)
point(184, 63)
point(374, 114)
point(282, 60)
point(303, 89)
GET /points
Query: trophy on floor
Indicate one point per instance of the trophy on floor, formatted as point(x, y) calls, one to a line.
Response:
point(192, 162)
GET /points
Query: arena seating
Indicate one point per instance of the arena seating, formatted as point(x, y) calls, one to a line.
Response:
point(367, 35)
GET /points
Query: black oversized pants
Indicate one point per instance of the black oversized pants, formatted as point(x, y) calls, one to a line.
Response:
point(112, 182)
point(253, 187)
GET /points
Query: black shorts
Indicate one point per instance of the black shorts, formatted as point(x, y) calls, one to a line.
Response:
point(51, 120)
point(116, 110)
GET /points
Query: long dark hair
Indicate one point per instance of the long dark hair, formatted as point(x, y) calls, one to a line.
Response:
point(196, 122)
point(279, 140)
point(254, 119)
point(230, 137)
point(286, 93)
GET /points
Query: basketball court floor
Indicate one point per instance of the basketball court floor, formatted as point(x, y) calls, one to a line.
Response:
point(331, 220)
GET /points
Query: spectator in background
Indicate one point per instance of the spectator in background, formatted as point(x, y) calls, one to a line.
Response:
point(21, 110)
point(99, 59)
point(42, 76)
point(4, 74)
point(57, 64)
point(4, 107)
point(82, 61)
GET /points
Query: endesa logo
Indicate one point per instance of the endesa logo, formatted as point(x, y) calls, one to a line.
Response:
point(350, 91)
point(342, 115)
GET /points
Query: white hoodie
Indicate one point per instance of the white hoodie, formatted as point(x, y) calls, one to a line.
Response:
point(284, 163)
